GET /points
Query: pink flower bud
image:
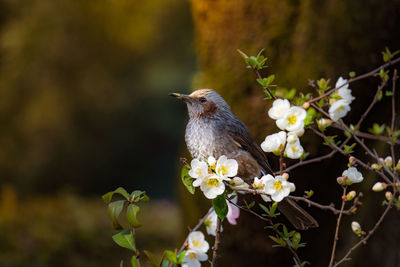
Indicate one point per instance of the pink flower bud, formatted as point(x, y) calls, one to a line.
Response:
point(340, 180)
point(376, 166)
point(285, 175)
point(306, 105)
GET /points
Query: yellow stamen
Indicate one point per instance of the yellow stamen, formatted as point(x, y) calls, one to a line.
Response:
point(292, 119)
point(278, 185)
point(224, 170)
point(212, 182)
point(196, 243)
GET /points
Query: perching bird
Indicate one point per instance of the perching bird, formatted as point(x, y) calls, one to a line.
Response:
point(213, 130)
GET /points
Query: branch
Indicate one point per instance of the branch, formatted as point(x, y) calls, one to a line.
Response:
point(200, 223)
point(296, 258)
point(216, 243)
point(337, 227)
point(330, 207)
point(364, 240)
point(393, 117)
point(360, 77)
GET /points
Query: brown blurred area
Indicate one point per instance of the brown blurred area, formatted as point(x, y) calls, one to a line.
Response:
point(84, 109)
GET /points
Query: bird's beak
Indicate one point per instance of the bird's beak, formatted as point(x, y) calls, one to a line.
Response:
point(183, 97)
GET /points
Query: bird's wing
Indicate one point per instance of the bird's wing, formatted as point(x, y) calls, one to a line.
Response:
point(238, 132)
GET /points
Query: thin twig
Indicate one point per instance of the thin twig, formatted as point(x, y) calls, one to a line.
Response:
point(216, 243)
point(360, 77)
point(364, 239)
point(330, 207)
point(269, 221)
point(200, 223)
point(336, 238)
point(393, 117)
point(259, 77)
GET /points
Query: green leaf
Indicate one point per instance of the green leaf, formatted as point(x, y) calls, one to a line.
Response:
point(352, 74)
point(165, 263)
point(349, 149)
point(242, 54)
point(114, 209)
point(377, 129)
point(311, 115)
point(171, 256)
point(220, 206)
point(187, 180)
point(134, 261)
point(181, 256)
point(121, 191)
point(125, 239)
point(309, 193)
point(131, 213)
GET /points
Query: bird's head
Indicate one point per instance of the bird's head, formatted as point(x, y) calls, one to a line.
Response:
point(203, 103)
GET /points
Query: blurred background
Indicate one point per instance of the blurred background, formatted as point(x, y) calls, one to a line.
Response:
point(84, 109)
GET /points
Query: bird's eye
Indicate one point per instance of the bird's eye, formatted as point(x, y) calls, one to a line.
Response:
point(202, 99)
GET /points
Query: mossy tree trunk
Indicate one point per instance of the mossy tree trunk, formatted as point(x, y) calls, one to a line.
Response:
point(302, 39)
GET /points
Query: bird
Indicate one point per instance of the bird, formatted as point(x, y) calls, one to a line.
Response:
point(213, 130)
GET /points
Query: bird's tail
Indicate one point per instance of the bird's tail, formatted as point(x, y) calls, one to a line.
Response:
point(296, 215)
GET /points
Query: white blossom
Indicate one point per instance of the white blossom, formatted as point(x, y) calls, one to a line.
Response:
point(278, 188)
point(259, 185)
point(212, 185)
point(211, 223)
point(339, 109)
point(292, 120)
point(211, 161)
point(294, 150)
point(197, 243)
point(353, 175)
point(199, 169)
point(279, 109)
point(292, 137)
point(274, 142)
point(344, 91)
point(292, 187)
point(226, 167)
point(192, 258)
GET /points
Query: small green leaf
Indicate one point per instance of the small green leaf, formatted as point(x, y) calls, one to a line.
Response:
point(309, 193)
point(171, 256)
point(352, 74)
point(131, 213)
point(165, 263)
point(377, 129)
point(108, 196)
point(187, 180)
point(114, 209)
point(125, 239)
point(134, 261)
point(388, 93)
point(220, 206)
point(349, 149)
point(181, 256)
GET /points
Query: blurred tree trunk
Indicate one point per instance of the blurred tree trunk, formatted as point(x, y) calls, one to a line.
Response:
point(302, 39)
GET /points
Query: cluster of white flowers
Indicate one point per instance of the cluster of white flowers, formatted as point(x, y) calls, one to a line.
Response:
point(276, 187)
point(210, 177)
point(291, 121)
point(350, 176)
point(196, 250)
point(339, 108)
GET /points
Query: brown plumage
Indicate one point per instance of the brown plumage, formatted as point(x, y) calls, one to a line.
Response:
point(213, 130)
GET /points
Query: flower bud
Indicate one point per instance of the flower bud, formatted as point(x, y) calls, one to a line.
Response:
point(211, 161)
point(285, 175)
point(356, 228)
point(340, 180)
point(237, 181)
point(351, 195)
point(381, 160)
point(306, 105)
point(378, 187)
point(376, 166)
point(388, 161)
point(292, 187)
point(352, 160)
point(388, 195)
